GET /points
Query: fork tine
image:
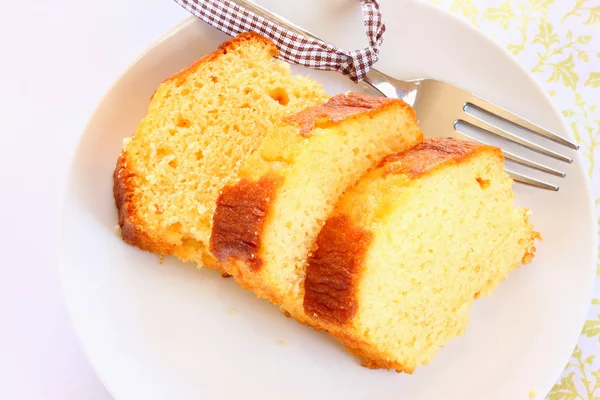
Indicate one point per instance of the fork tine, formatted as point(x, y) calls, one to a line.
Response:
point(526, 180)
point(478, 123)
point(519, 121)
point(532, 164)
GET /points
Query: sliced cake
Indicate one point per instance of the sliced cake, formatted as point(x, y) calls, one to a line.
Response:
point(407, 250)
point(266, 224)
point(200, 126)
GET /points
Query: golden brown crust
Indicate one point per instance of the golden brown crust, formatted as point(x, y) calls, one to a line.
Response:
point(239, 220)
point(430, 154)
point(333, 271)
point(339, 108)
point(180, 76)
point(123, 192)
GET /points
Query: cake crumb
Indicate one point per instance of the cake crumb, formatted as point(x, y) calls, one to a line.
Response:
point(161, 260)
point(281, 342)
point(532, 394)
point(117, 230)
point(232, 311)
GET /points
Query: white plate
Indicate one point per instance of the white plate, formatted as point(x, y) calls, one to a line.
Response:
point(169, 331)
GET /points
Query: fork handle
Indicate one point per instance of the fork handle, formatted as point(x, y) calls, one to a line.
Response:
point(372, 78)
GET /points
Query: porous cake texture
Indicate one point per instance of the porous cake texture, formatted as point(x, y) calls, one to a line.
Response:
point(408, 249)
point(266, 224)
point(200, 126)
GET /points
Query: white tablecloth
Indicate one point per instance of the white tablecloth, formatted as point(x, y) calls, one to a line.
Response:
point(51, 49)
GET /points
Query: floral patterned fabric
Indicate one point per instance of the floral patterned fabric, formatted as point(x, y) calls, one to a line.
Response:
point(559, 42)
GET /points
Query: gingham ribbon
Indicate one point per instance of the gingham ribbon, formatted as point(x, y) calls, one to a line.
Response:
point(232, 19)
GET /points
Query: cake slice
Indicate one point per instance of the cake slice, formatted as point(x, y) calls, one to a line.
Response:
point(407, 250)
point(266, 224)
point(200, 126)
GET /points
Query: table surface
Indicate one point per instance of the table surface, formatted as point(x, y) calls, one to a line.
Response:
point(53, 47)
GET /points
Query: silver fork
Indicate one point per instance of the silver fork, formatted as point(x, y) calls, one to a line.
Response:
point(424, 94)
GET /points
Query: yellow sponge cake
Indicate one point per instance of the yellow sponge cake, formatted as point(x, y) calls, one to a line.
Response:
point(266, 224)
point(334, 209)
point(407, 250)
point(200, 126)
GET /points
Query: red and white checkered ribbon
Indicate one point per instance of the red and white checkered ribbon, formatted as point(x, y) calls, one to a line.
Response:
point(232, 19)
